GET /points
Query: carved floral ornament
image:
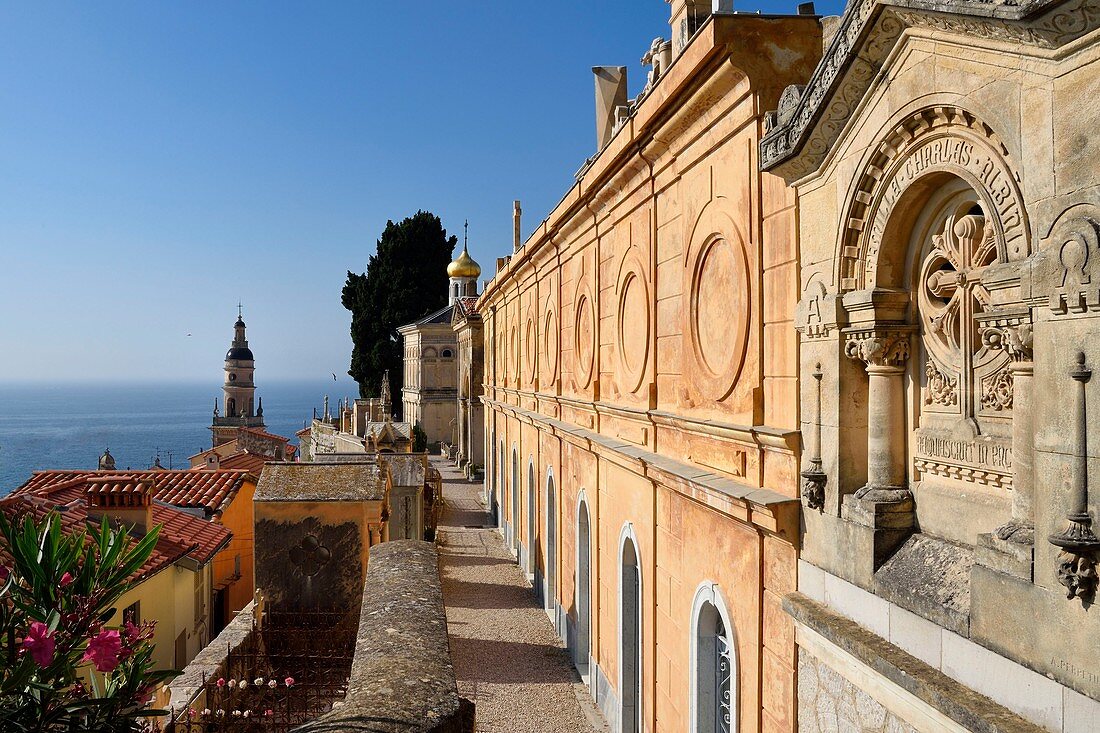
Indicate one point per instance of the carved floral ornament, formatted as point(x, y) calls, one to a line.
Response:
point(878, 347)
point(867, 35)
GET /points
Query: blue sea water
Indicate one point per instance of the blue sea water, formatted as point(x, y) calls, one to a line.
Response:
point(68, 426)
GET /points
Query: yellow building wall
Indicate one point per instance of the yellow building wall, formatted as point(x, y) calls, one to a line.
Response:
point(238, 518)
point(651, 315)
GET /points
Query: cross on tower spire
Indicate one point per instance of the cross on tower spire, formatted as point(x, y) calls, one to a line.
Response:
point(465, 235)
point(240, 311)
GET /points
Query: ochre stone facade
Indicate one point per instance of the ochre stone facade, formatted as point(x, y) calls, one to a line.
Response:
point(943, 156)
point(641, 395)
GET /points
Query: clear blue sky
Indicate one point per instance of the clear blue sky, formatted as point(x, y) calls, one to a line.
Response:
point(160, 161)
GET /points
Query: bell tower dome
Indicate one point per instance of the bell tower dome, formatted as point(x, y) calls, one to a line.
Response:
point(463, 273)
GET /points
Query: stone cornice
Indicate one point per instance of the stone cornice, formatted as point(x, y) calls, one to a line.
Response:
point(810, 119)
point(762, 508)
point(725, 50)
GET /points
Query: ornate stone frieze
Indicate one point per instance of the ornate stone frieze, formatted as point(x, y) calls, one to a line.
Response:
point(878, 346)
point(997, 390)
point(868, 32)
point(1071, 272)
point(940, 388)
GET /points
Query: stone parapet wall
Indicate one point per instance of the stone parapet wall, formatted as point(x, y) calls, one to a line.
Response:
point(402, 678)
point(187, 689)
point(829, 702)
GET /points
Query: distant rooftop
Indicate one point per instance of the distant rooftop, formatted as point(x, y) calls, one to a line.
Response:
point(321, 482)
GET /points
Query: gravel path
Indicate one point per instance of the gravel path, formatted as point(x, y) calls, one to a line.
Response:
point(506, 656)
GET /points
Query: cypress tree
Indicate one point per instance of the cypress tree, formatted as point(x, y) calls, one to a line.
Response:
point(406, 279)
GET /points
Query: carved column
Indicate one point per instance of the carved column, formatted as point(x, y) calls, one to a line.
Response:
point(1080, 547)
point(814, 478)
point(885, 352)
point(1016, 341)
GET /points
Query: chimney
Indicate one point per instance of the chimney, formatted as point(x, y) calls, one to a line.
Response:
point(517, 212)
point(125, 501)
point(610, 95)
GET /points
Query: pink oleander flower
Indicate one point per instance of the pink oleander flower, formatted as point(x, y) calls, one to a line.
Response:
point(272, 684)
point(289, 681)
point(268, 713)
point(66, 580)
point(103, 650)
point(191, 713)
point(221, 682)
point(39, 643)
point(232, 684)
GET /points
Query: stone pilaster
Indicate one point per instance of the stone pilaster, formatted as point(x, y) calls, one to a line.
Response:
point(1011, 547)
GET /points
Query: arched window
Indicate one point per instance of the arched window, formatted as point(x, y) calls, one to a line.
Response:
point(532, 544)
point(714, 664)
point(551, 545)
point(515, 489)
point(231, 407)
point(447, 354)
point(630, 635)
point(583, 589)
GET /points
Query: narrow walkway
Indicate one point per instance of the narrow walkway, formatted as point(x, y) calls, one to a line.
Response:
point(507, 658)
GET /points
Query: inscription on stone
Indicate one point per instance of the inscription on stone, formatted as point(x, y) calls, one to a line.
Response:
point(954, 153)
point(988, 455)
point(1072, 669)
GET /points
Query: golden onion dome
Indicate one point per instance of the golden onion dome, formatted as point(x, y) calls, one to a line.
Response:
point(464, 266)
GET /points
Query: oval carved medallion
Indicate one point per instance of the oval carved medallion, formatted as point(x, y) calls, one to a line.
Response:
point(719, 315)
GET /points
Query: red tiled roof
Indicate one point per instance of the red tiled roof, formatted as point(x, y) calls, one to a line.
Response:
point(261, 433)
point(211, 490)
point(246, 461)
point(182, 534)
point(465, 306)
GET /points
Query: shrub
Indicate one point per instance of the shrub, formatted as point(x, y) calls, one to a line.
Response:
point(56, 604)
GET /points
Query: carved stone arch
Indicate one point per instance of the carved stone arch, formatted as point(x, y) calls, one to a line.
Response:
point(923, 146)
point(633, 338)
point(720, 293)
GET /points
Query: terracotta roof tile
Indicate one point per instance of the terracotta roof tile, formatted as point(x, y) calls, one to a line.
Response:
point(261, 433)
point(211, 490)
point(251, 462)
point(181, 534)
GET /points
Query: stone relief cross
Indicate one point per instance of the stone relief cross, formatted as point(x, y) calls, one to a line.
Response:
point(950, 296)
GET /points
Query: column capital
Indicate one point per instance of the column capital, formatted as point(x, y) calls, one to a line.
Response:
point(878, 346)
point(1014, 338)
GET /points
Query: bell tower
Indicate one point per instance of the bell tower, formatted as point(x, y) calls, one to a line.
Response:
point(238, 389)
point(463, 272)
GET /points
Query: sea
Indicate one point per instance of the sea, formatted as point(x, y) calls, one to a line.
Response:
point(67, 426)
